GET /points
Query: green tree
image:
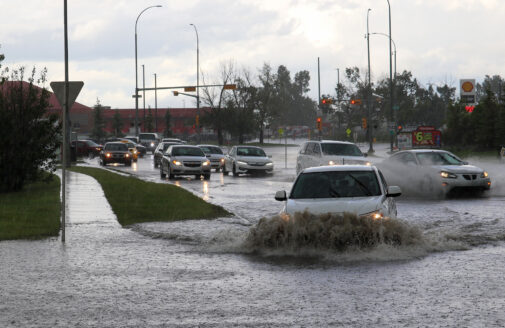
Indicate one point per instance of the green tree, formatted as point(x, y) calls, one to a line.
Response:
point(117, 124)
point(149, 120)
point(30, 137)
point(167, 133)
point(98, 122)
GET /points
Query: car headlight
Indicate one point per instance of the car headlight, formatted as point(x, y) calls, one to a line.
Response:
point(108, 155)
point(241, 163)
point(448, 175)
point(269, 164)
point(152, 144)
point(176, 162)
point(206, 163)
point(222, 160)
point(126, 155)
point(331, 163)
point(375, 215)
point(135, 151)
point(368, 164)
point(484, 175)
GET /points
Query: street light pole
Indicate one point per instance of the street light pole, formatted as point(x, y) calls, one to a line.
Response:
point(197, 84)
point(136, 96)
point(394, 51)
point(155, 105)
point(369, 96)
point(391, 100)
point(144, 96)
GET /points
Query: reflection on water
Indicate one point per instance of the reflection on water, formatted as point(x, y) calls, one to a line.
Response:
point(177, 183)
point(205, 190)
point(221, 179)
point(134, 166)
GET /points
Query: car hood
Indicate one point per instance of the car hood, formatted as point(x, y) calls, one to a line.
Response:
point(357, 205)
point(215, 156)
point(190, 158)
point(461, 169)
point(253, 159)
point(341, 159)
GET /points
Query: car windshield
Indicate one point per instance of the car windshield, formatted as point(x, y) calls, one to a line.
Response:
point(250, 151)
point(147, 136)
point(116, 147)
point(438, 158)
point(187, 151)
point(211, 150)
point(334, 184)
point(91, 143)
point(341, 149)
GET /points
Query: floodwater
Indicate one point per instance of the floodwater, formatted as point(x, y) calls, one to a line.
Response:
point(447, 270)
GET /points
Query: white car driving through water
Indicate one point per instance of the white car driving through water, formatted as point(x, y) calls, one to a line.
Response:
point(433, 172)
point(358, 189)
point(247, 159)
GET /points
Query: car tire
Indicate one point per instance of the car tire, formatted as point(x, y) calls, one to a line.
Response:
point(162, 174)
point(156, 164)
point(171, 176)
point(128, 163)
point(206, 176)
point(224, 170)
point(235, 173)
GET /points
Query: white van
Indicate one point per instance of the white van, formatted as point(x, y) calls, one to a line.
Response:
point(328, 152)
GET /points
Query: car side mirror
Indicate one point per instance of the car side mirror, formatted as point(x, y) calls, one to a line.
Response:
point(365, 154)
point(281, 195)
point(393, 191)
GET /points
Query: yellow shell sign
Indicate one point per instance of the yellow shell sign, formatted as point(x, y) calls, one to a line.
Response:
point(467, 86)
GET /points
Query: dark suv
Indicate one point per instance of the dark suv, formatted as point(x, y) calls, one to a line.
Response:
point(115, 152)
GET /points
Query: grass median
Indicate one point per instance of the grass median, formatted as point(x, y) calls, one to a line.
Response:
point(32, 213)
point(136, 201)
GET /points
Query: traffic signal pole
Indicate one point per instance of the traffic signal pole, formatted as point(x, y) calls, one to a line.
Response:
point(369, 102)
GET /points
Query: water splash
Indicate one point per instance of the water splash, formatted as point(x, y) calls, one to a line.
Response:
point(330, 232)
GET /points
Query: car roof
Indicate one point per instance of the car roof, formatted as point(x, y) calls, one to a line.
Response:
point(423, 151)
point(184, 145)
point(248, 146)
point(339, 168)
point(208, 146)
point(332, 141)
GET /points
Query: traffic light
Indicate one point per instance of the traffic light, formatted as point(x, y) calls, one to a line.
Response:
point(326, 101)
point(319, 124)
point(363, 122)
point(176, 93)
point(355, 101)
point(399, 129)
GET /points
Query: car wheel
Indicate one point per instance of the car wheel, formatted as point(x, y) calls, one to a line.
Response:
point(218, 169)
point(128, 163)
point(162, 174)
point(224, 170)
point(235, 173)
point(156, 164)
point(171, 176)
point(206, 176)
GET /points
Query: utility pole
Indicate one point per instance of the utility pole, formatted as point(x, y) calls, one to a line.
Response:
point(369, 127)
point(155, 105)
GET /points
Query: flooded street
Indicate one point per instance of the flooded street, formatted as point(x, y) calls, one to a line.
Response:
point(202, 273)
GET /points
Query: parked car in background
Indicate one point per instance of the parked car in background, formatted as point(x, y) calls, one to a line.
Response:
point(247, 159)
point(433, 172)
point(87, 148)
point(160, 150)
point(339, 189)
point(328, 152)
point(184, 160)
point(115, 152)
point(215, 155)
point(149, 140)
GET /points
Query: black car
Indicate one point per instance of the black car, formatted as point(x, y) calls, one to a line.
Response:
point(162, 147)
point(86, 148)
point(115, 152)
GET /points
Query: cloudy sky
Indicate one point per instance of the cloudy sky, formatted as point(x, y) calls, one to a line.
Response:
point(439, 41)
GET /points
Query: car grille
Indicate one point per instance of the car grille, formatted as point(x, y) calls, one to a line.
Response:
point(192, 164)
point(470, 176)
point(256, 164)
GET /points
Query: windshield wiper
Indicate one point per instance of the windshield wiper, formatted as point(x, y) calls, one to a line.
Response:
point(365, 189)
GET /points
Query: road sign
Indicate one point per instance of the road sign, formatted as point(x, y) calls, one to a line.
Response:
point(467, 91)
point(229, 86)
point(348, 131)
point(281, 132)
point(74, 87)
point(190, 89)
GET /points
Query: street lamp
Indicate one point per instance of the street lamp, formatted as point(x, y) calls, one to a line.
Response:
point(394, 52)
point(136, 96)
point(155, 104)
point(197, 83)
point(369, 95)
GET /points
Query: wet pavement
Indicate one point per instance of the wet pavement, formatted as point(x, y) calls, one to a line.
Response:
point(201, 274)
